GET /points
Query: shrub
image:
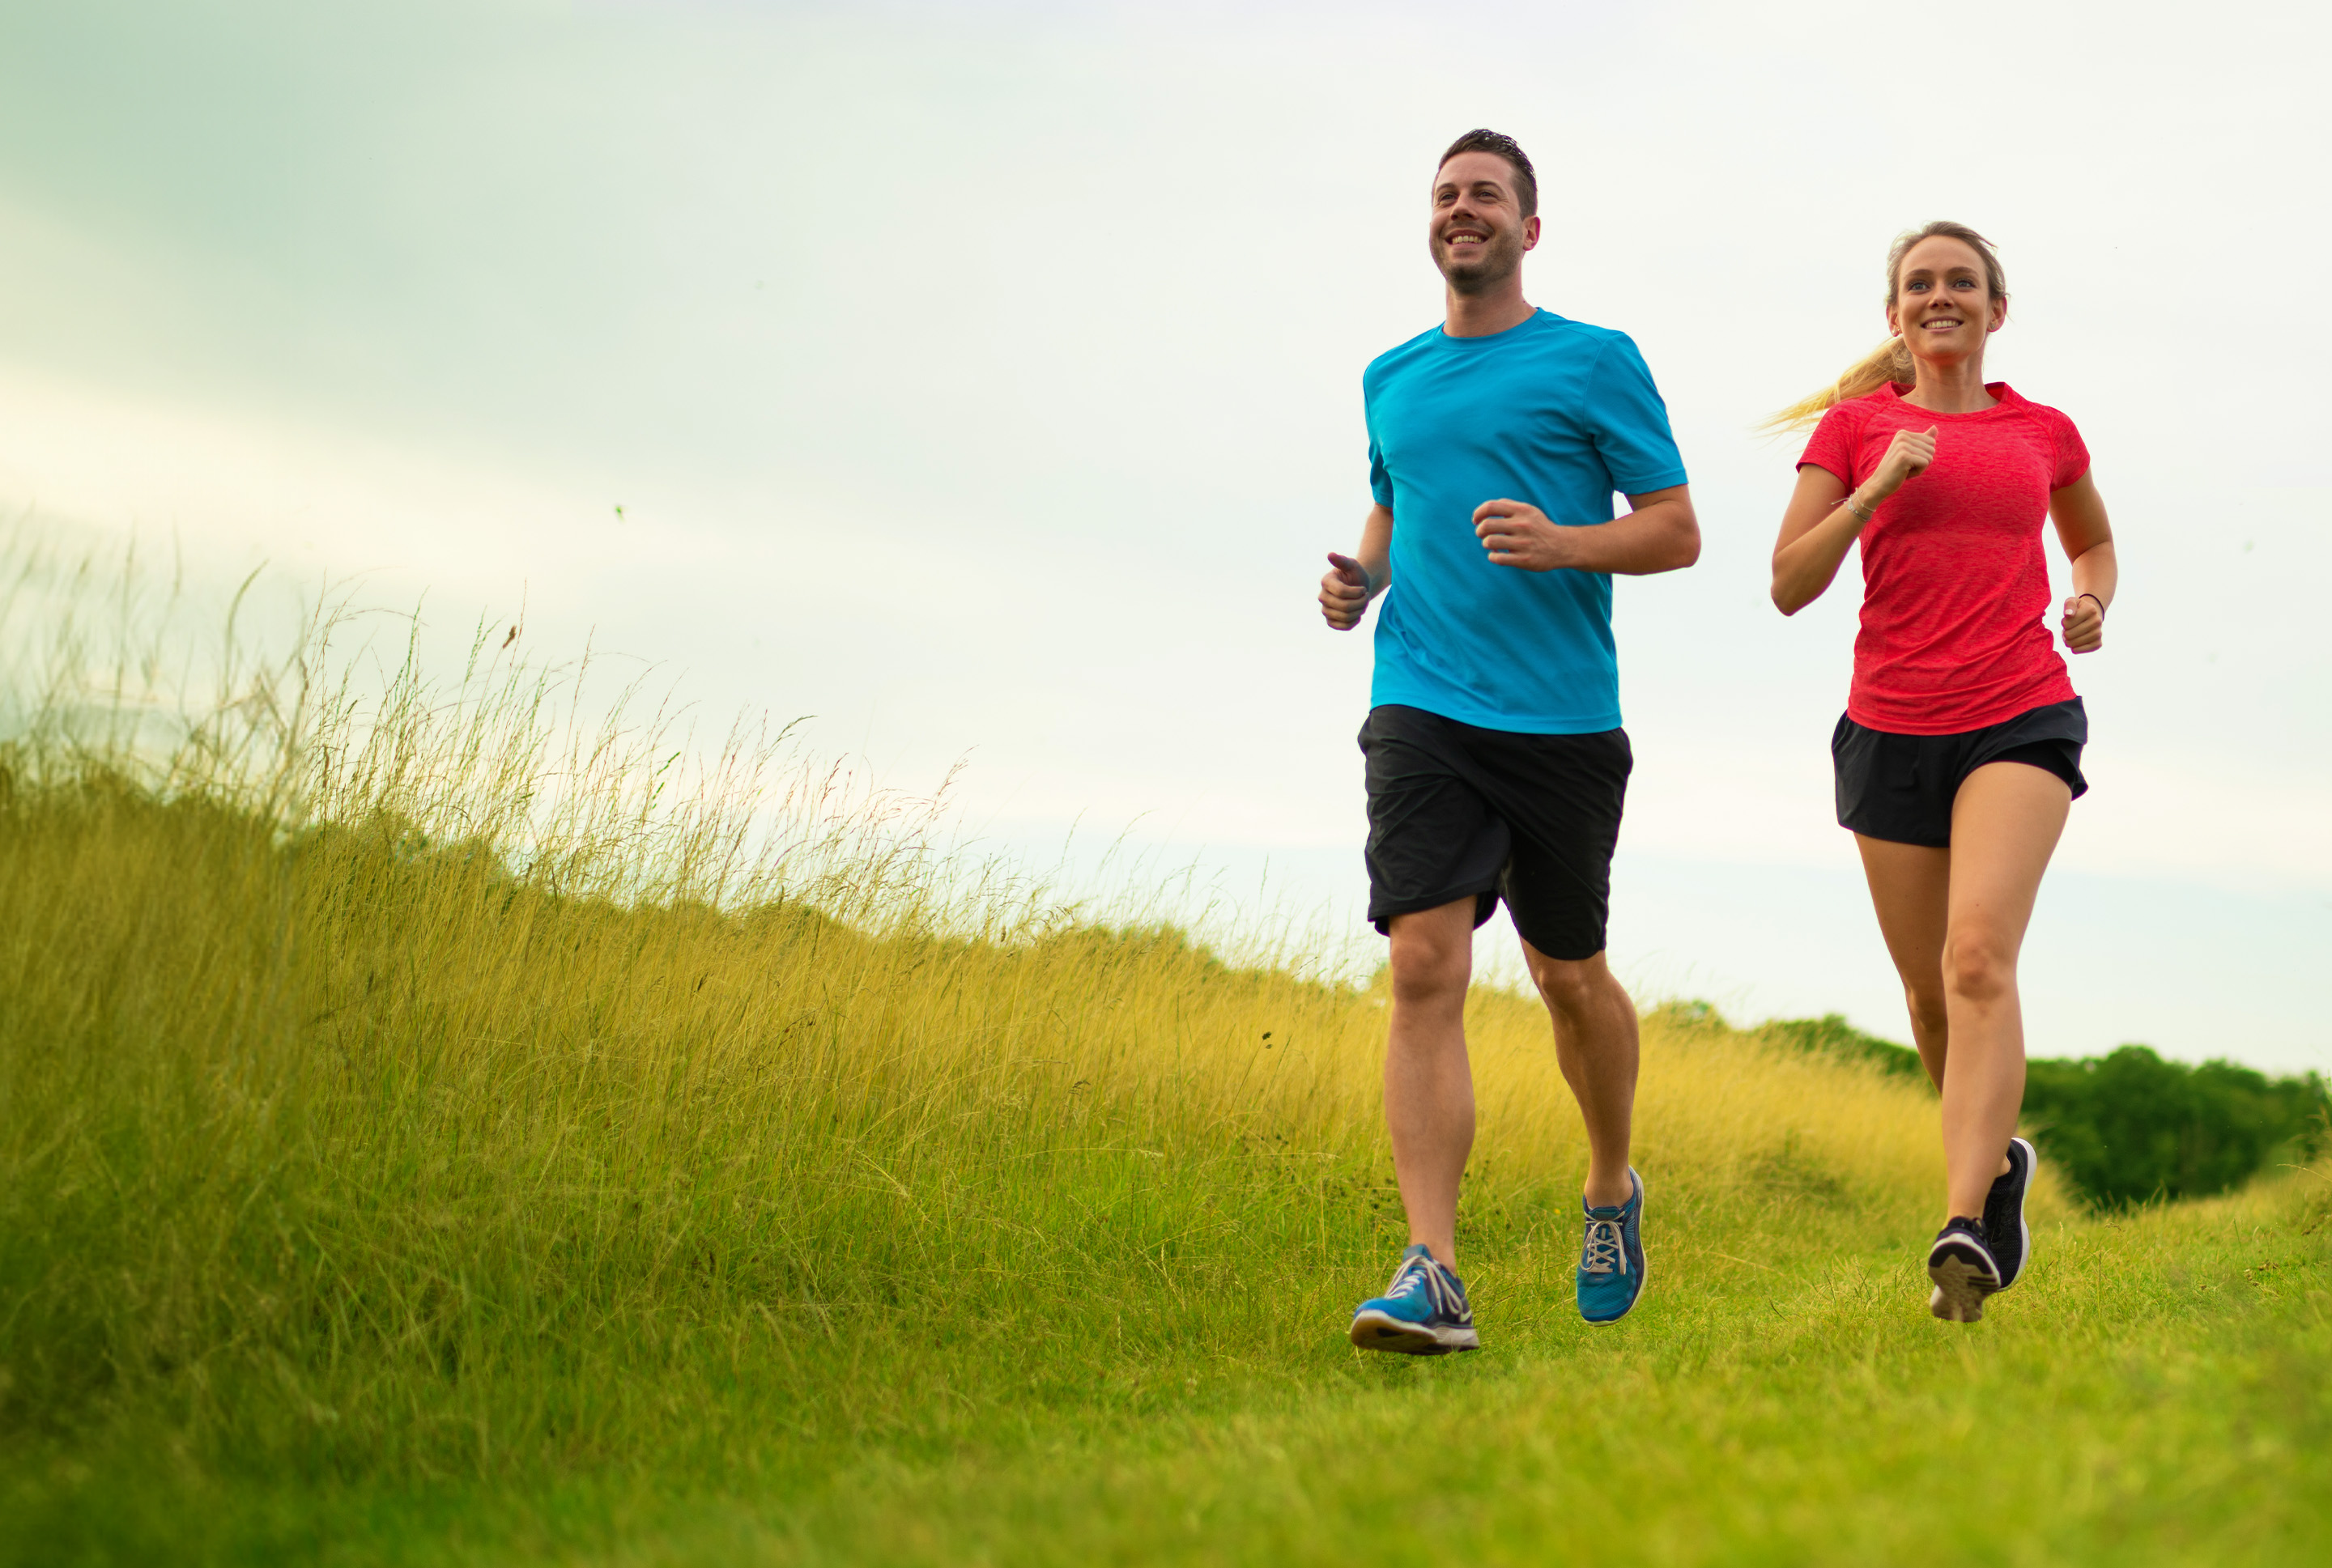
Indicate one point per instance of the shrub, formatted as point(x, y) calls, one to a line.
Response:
point(2130, 1126)
point(1832, 1034)
point(2124, 1127)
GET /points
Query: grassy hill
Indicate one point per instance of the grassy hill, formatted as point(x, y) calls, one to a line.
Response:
point(430, 1134)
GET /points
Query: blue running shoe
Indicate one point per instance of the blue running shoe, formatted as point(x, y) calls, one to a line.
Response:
point(1612, 1264)
point(1422, 1312)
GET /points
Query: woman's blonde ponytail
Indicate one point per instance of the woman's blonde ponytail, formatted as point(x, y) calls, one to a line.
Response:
point(1891, 360)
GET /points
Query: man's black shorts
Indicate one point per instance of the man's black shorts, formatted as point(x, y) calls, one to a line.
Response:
point(1900, 787)
point(1459, 812)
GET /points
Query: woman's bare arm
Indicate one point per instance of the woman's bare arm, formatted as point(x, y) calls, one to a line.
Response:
point(2079, 514)
point(1817, 531)
point(1823, 520)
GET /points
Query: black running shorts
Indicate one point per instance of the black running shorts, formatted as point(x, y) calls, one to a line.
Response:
point(1900, 787)
point(1457, 811)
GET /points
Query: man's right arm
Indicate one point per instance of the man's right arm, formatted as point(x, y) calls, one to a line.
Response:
point(1352, 581)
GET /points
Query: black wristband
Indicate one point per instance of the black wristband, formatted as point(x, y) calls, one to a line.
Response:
point(2093, 598)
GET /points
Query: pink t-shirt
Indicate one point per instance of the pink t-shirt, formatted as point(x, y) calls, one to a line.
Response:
point(1955, 588)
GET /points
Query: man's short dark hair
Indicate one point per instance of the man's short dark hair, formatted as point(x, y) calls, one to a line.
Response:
point(1506, 147)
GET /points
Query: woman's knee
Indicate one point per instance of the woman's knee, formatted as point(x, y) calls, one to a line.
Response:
point(1979, 964)
point(1930, 1014)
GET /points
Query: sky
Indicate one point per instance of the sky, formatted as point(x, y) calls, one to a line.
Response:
point(981, 384)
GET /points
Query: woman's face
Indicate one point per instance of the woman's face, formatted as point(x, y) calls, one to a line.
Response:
point(1943, 308)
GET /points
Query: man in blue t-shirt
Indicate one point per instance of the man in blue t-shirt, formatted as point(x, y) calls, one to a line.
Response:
point(1496, 765)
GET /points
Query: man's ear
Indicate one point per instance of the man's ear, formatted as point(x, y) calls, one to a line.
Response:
point(1530, 232)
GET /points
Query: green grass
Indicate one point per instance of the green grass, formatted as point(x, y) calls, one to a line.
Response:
point(2155, 1392)
point(428, 1134)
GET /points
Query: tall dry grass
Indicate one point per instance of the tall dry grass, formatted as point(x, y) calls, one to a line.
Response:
point(410, 1079)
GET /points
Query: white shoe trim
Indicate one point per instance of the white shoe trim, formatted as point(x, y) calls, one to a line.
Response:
point(2023, 1231)
point(1376, 1330)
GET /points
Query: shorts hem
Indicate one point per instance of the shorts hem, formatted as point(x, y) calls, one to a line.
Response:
point(1859, 832)
point(1486, 904)
point(1553, 950)
point(1900, 788)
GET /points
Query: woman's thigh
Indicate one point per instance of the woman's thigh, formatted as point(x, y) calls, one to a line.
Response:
point(2005, 823)
point(1910, 889)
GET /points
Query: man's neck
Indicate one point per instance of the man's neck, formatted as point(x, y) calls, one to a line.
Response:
point(1480, 315)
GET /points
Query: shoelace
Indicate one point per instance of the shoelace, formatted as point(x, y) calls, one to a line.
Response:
point(1604, 1253)
point(1418, 1274)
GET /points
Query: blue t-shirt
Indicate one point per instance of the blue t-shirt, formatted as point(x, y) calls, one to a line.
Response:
point(1551, 412)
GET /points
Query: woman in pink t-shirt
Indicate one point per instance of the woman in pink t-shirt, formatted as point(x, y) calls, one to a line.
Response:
point(1958, 757)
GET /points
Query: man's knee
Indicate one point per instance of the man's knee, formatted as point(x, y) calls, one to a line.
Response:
point(1432, 962)
point(1571, 985)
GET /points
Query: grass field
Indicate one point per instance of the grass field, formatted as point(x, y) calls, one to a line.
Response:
point(433, 1132)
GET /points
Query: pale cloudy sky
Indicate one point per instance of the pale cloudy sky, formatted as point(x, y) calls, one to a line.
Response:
point(984, 380)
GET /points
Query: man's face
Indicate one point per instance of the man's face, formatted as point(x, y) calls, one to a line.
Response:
point(1477, 234)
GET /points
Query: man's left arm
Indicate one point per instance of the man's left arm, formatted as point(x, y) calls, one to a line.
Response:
point(1659, 534)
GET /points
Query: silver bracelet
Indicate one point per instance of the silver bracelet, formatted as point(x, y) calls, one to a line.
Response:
point(1860, 515)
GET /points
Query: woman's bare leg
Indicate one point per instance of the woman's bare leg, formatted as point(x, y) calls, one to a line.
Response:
point(1910, 888)
point(2005, 824)
point(1954, 922)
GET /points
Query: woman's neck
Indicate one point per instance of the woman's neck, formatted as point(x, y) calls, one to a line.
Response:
point(1953, 388)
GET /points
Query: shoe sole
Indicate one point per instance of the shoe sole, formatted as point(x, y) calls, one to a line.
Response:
point(1960, 1288)
point(1383, 1331)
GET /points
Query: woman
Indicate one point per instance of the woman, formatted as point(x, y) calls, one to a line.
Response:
point(1959, 754)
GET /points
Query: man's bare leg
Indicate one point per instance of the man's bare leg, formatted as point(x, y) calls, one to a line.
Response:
point(1429, 1082)
point(1595, 1043)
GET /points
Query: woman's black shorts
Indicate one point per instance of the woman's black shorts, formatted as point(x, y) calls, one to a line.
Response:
point(1458, 812)
point(1900, 787)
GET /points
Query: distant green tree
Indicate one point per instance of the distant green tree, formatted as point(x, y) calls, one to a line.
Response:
point(1832, 1034)
point(2129, 1126)
point(2124, 1127)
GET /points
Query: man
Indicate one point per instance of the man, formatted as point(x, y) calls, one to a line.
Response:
point(1496, 765)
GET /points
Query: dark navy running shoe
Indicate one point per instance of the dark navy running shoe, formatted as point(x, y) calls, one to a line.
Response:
point(1422, 1312)
point(1964, 1272)
point(1611, 1262)
point(2005, 1231)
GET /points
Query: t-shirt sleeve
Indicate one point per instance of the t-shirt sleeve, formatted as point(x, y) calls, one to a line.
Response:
point(1630, 422)
point(2072, 454)
point(1832, 446)
point(1380, 481)
point(1380, 477)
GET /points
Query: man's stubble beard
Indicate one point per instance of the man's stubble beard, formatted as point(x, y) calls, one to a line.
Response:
point(1490, 272)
